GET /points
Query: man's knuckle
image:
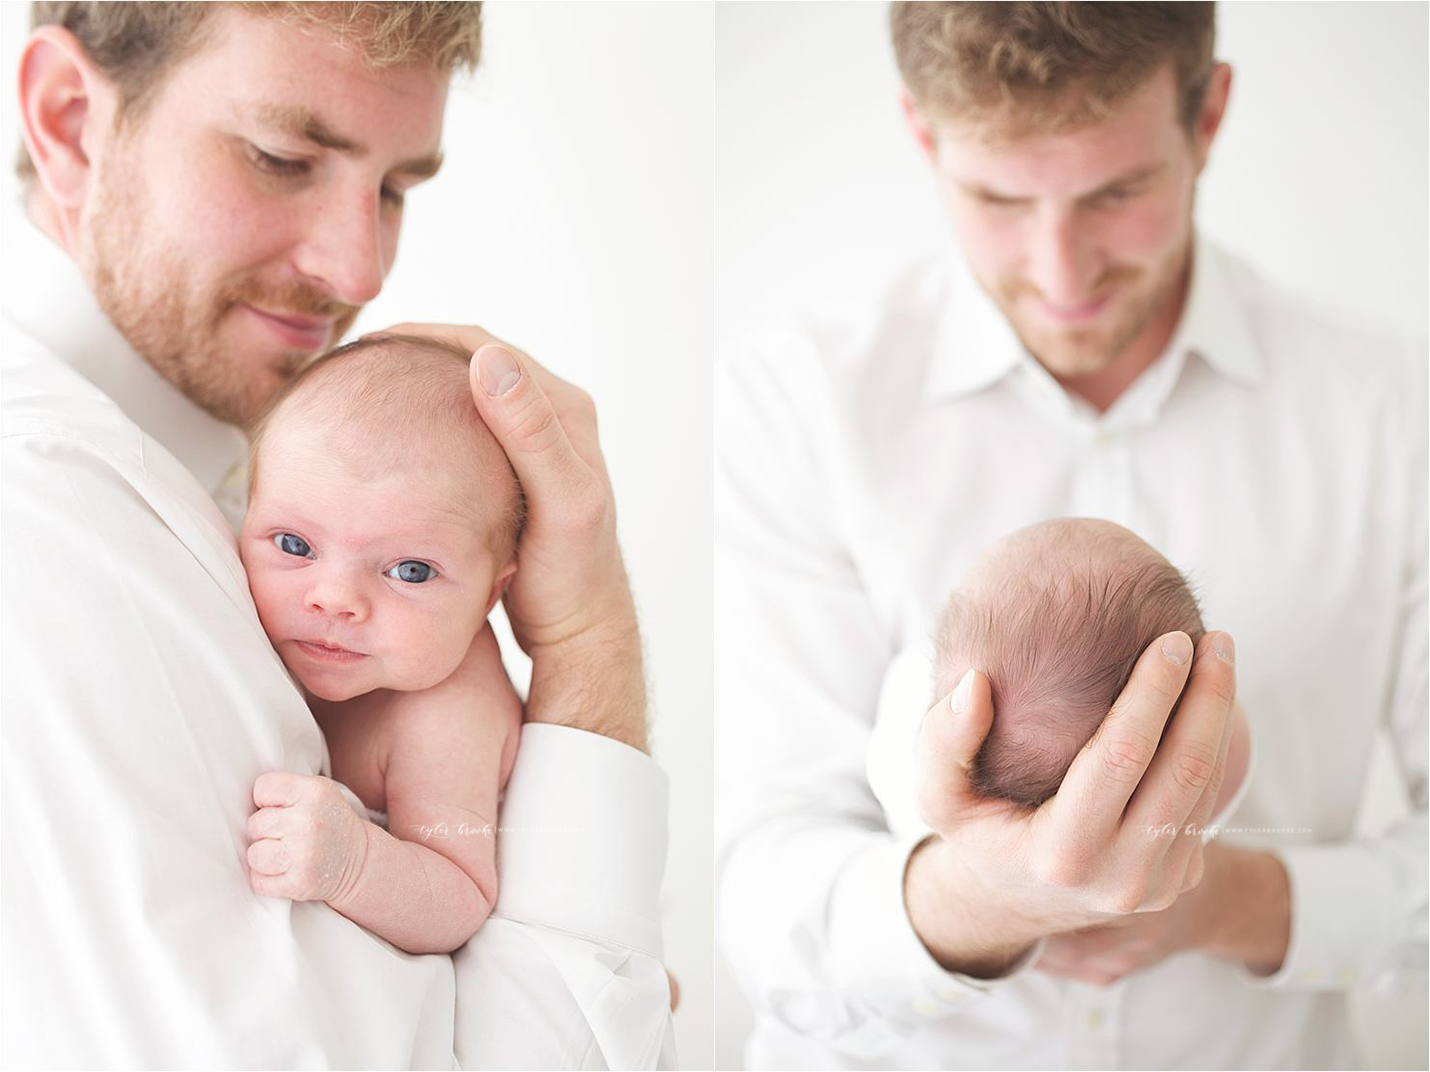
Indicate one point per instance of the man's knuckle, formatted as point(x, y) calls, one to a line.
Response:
point(536, 428)
point(1124, 899)
point(1060, 870)
point(1195, 765)
point(1126, 754)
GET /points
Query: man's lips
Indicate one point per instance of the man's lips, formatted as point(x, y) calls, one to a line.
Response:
point(1075, 313)
point(323, 652)
point(300, 332)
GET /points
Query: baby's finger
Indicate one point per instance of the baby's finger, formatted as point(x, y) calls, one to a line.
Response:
point(269, 857)
point(950, 736)
point(277, 789)
point(265, 823)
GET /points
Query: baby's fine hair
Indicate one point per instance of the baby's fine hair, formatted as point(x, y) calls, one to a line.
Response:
point(390, 402)
point(1058, 638)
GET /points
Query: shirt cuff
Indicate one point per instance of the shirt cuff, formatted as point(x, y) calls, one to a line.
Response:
point(875, 948)
point(1332, 947)
point(581, 838)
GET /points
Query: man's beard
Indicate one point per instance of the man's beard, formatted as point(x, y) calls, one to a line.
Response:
point(1074, 352)
point(159, 303)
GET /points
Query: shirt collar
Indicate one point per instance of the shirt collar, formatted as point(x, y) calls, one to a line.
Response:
point(975, 346)
point(45, 295)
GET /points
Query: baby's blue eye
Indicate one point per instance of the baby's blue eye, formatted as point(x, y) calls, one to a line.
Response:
point(292, 545)
point(412, 572)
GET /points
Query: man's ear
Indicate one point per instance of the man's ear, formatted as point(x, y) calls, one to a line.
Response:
point(62, 98)
point(918, 125)
point(499, 584)
point(1213, 111)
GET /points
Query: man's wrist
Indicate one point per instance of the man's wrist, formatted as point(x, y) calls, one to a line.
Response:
point(593, 681)
point(1252, 912)
point(957, 919)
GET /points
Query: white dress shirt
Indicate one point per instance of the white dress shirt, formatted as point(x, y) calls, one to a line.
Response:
point(1273, 452)
point(141, 699)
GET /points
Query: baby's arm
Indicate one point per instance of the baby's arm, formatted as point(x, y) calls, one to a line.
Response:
point(445, 754)
point(429, 884)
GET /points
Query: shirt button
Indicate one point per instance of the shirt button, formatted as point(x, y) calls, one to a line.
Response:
point(1094, 1020)
point(924, 1007)
point(951, 994)
point(1103, 438)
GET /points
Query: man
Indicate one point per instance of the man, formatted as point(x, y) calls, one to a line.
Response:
point(214, 192)
point(1088, 353)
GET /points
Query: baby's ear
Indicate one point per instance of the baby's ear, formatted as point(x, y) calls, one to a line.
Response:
point(500, 583)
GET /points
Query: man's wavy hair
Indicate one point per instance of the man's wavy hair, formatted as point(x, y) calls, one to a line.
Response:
point(137, 45)
point(1011, 69)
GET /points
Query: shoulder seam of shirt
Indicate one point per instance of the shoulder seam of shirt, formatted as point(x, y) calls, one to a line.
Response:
point(59, 431)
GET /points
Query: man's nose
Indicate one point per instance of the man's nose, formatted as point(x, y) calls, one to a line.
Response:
point(1062, 260)
point(343, 248)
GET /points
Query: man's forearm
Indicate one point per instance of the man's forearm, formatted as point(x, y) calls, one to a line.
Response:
point(965, 927)
point(1254, 922)
point(593, 681)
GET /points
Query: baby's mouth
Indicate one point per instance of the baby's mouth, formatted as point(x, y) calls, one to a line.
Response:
point(322, 650)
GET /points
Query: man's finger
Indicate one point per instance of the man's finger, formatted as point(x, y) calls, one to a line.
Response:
point(525, 423)
point(949, 737)
point(1088, 806)
point(1188, 759)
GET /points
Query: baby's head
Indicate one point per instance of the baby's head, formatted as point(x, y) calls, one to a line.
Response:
point(383, 517)
point(1056, 615)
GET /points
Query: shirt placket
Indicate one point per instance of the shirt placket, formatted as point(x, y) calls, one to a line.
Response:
point(1092, 1025)
point(1102, 474)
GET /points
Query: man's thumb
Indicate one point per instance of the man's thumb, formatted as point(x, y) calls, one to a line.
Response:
point(950, 736)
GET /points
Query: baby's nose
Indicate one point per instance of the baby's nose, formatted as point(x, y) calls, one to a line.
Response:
point(338, 601)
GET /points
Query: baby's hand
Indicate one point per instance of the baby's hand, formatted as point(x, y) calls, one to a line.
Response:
point(307, 844)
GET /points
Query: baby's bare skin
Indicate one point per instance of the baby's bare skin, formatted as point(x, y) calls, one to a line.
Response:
point(373, 572)
point(429, 883)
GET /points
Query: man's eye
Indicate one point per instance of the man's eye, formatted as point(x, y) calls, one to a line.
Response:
point(412, 572)
point(278, 165)
point(1114, 197)
point(292, 545)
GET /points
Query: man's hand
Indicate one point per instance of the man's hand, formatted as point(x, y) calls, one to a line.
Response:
point(1209, 919)
point(570, 601)
point(997, 877)
point(307, 844)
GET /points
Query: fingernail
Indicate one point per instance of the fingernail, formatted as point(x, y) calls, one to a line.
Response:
point(1177, 648)
point(497, 369)
point(1224, 647)
point(961, 693)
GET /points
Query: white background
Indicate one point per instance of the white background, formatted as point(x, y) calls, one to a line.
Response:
point(1319, 177)
point(573, 217)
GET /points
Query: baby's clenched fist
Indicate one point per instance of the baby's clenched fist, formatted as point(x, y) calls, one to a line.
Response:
point(306, 843)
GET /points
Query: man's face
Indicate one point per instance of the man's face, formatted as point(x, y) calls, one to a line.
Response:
point(1081, 237)
point(223, 238)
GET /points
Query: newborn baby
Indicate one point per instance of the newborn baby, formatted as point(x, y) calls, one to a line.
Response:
point(381, 529)
point(1056, 615)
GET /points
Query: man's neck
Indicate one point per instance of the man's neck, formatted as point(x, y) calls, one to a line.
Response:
point(1102, 388)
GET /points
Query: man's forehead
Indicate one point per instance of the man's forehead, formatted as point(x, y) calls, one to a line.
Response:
point(1130, 143)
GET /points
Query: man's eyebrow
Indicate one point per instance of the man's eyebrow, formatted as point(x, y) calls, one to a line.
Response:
point(300, 122)
point(1129, 178)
